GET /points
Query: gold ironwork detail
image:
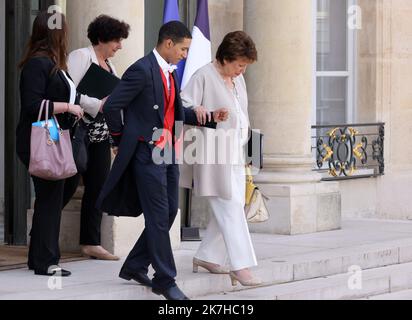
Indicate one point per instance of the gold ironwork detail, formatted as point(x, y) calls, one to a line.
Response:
point(357, 152)
point(329, 153)
point(333, 133)
point(353, 132)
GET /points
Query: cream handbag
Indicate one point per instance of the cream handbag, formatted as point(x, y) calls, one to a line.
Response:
point(255, 208)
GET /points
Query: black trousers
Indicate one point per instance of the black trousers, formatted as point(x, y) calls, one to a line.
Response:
point(98, 168)
point(44, 249)
point(158, 188)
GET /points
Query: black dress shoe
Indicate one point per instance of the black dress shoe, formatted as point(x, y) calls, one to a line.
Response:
point(139, 277)
point(173, 293)
point(58, 272)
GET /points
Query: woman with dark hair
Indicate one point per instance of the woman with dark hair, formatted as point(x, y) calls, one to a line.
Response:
point(106, 35)
point(44, 77)
point(221, 84)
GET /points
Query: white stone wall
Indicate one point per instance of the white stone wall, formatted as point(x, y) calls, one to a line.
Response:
point(2, 106)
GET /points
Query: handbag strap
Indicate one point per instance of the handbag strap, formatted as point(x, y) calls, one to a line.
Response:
point(46, 103)
point(41, 110)
point(249, 176)
point(57, 122)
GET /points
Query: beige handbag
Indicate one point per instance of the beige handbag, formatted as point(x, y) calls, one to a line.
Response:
point(49, 159)
point(255, 208)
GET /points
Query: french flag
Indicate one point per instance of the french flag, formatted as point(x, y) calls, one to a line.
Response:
point(200, 53)
point(171, 13)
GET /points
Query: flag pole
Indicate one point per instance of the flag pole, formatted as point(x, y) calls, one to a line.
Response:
point(187, 232)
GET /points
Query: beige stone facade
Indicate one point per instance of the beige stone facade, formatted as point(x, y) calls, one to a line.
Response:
point(281, 88)
point(384, 75)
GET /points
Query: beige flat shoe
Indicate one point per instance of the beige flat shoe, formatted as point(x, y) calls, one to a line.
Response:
point(99, 253)
point(212, 268)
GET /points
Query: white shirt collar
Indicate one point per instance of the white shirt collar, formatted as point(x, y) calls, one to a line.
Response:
point(166, 67)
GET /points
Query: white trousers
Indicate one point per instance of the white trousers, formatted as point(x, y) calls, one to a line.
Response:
point(227, 235)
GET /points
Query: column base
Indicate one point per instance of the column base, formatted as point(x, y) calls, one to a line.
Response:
point(119, 235)
point(300, 208)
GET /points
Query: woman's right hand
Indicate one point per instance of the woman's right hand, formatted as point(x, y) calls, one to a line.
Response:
point(76, 110)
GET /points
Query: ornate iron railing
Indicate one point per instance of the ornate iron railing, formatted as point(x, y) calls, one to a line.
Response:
point(349, 151)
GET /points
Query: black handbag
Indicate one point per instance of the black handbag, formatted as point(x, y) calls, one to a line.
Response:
point(80, 143)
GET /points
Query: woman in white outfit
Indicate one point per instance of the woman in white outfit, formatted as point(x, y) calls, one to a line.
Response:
point(221, 84)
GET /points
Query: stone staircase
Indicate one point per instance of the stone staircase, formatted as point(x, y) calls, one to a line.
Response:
point(391, 282)
point(304, 267)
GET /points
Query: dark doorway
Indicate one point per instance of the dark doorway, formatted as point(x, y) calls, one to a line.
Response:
point(19, 18)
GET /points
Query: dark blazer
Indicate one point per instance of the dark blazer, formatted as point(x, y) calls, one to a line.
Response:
point(140, 95)
point(36, 84)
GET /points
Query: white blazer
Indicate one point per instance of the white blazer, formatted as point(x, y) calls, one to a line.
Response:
point(78, 63)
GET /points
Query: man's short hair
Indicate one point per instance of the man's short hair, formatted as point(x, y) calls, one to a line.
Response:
point(175, 31)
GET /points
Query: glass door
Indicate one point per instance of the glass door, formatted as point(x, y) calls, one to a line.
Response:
point(335, 97)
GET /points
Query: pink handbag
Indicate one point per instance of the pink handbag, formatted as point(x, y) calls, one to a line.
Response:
point(50, 160)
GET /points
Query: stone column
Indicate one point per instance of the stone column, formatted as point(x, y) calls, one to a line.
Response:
point(225, 16)
point(81, 13)
point(118, 234)
point(280, 88)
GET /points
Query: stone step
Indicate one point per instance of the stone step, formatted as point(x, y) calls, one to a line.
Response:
point(401, 295)
point(318, 275)
point(307, 266)
point(375, 284)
